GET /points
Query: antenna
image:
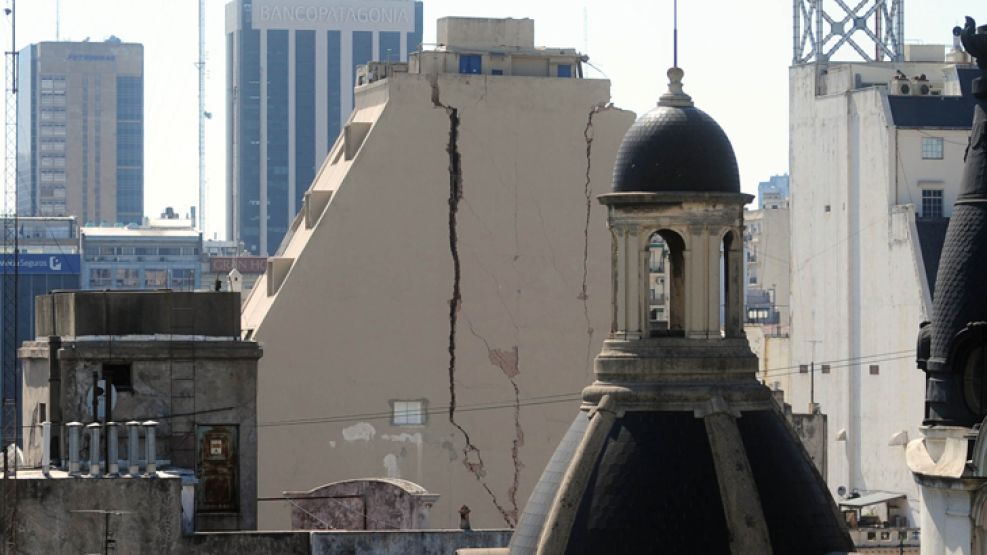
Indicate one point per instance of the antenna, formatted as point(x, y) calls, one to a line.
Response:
point(585, 30)
point(58, 20)
point(202, 116)
point(675, 33)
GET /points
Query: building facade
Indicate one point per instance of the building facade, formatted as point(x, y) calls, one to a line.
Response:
point(773, 193)
point(874, 172)
point(80, 143)
point(291, 69)
point(151, 257)
point(357, 305)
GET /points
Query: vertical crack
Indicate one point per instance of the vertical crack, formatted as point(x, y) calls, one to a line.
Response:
point(588, 133)
point(472, 458)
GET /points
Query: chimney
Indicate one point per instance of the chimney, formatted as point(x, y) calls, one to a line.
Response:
point(74, 429)
point(152, 462)
point(112, 447)
point(45, 447)
point(94, 449)
point(133, 446)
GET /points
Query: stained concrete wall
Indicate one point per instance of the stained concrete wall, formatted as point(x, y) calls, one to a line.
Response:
point(52, 515)
point(363, 315)
point(858, 282)
point(63, 515)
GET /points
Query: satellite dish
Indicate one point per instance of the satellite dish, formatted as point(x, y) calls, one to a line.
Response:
point(841, 491)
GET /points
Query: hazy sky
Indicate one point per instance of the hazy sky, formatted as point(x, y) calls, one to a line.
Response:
point(735, 53)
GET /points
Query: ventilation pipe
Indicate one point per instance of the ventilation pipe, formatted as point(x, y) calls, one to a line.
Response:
point(112, 446)
point(149, 432)
point(74, 430)
point(133, 446)
point(45, 448)
point(94, 449)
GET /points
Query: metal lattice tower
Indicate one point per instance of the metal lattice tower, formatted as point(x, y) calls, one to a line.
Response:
point(10, 248)
point(822, 27)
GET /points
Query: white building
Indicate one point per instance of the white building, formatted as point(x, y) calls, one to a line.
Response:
point(453, 215)
point(876, 159)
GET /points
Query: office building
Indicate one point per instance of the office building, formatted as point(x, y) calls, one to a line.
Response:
point(291, 68)
point(80, 143)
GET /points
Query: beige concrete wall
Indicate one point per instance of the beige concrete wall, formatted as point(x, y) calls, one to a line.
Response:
point(363, 315)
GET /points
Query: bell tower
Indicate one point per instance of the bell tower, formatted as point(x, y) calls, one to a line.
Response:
point(675, 411)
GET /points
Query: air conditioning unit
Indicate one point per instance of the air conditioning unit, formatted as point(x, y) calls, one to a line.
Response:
point(901, 87)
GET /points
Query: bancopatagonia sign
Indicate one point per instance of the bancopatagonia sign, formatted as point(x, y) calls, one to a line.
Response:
point(333, 14)
point(41, 263)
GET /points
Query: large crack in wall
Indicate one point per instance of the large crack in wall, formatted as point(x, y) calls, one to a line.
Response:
point(472, 458)
point(588, 133)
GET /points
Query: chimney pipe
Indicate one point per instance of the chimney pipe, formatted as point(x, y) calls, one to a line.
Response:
point(45, 447)
point(94, 449)
point(74, 429)
point(133, 446)
point(112, 446)
point(149, 430)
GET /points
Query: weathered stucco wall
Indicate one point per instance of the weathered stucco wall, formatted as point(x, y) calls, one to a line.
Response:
point(857, 283)
point(363, 315)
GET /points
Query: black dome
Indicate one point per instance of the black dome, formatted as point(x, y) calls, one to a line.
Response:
point(676, 148)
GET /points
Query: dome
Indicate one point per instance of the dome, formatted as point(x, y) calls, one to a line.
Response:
point(676, 147)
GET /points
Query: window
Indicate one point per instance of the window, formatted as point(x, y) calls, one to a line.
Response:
point(155, 279)
point(408, 413)
point(128, 278)
point(182, 279)
point(470, 63)
point(565, 70)
point(932, 148)
point(803, 368)
point(100, 277)
point(825, 369)
point(119, 376)
point(875, 369)
point(496, 72)
point(932, 203)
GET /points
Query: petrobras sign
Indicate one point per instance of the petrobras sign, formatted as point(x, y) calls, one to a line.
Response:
point(41, 263)
point(380, 15)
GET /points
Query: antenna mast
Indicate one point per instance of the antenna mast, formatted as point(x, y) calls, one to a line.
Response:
point(202, 116)
point(818, 34)
point(8, 360)
point(675, 33)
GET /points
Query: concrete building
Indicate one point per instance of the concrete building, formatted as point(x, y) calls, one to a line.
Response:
point(80, 133)
point(165, 254)
point(175, 358)
point(474, 239)
point(875, 168)
point(219, 258)
point(767, 314)
point(773, 193)
point(291, 69)
point(677, 448)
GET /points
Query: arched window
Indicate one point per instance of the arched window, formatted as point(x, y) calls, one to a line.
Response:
point(666, 284)
point(730, 287)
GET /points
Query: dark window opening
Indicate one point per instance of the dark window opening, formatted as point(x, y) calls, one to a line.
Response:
point(119, 375)
point(496, 72)
point(932, 203)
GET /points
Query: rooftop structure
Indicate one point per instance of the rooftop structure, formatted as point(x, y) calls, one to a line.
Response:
point(689, 389)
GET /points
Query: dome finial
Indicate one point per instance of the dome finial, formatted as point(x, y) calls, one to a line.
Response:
point(675, 95)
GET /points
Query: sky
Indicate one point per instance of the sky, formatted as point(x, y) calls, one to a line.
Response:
point(735, 55)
